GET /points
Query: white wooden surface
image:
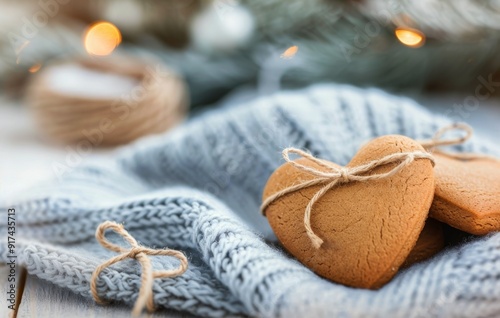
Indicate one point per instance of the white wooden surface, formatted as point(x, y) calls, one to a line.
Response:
point(4, 288)
point(26, 158)
point(41, 299)
point(37, 298)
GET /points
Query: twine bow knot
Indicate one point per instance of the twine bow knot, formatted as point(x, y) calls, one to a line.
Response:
point(139, 253)
point(344, 175)
point(134, 251)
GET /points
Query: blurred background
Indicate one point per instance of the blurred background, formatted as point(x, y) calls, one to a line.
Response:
point(80, 78)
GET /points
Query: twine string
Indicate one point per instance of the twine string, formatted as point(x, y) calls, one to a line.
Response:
point(157, 102)
point(139, 253)
point(438, 141)
point(334, 176)
point(433, 145)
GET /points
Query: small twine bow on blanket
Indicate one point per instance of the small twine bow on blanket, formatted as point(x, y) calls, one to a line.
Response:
point(334, 176)
point(140, 253)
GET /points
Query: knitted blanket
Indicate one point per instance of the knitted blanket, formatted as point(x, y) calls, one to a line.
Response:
point(198, 189)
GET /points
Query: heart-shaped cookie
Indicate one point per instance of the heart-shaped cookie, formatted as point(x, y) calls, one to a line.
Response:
point(368, 228)
point(467, 194)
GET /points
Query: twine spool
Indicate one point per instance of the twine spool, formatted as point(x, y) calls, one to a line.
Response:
point(155, 100)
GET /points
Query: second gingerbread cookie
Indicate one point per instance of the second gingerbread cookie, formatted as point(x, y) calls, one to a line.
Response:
point(467, 194)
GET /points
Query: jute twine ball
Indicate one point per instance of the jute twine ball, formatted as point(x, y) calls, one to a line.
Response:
point(106, 102)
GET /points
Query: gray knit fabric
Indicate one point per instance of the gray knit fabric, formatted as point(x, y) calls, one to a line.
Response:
point(198, 189)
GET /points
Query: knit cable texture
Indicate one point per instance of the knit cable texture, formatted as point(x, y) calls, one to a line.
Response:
point(198, 189)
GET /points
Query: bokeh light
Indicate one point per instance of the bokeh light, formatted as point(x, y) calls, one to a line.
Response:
point(410, 37)
point(102, 38)
point(290, 52)
point(35, 68)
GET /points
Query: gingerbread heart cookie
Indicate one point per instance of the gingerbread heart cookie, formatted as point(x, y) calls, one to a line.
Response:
point(467, 194)
point(369, 227)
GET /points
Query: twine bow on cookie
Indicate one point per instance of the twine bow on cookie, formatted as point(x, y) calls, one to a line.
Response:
point(334, 176)
point(140, 253)
point(433, 145)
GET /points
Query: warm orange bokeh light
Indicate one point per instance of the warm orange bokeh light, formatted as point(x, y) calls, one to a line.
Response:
point(290, 52)
point(102, 38)
point(410, 37)
point(35, 68)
